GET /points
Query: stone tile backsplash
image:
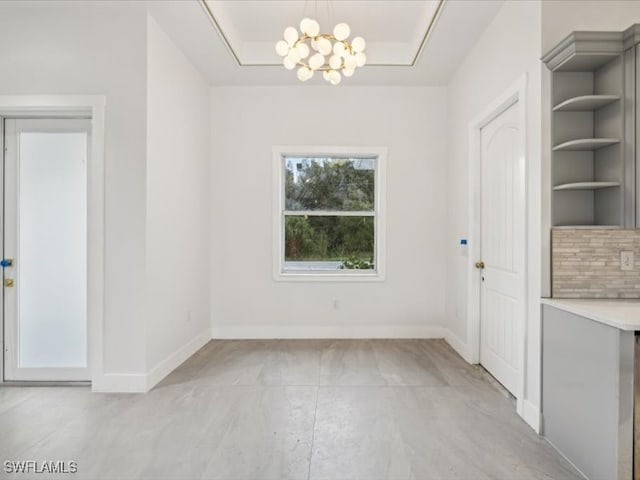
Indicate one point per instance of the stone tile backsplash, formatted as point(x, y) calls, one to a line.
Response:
point(585, 263)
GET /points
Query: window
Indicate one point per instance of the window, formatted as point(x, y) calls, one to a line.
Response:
point(328, 203)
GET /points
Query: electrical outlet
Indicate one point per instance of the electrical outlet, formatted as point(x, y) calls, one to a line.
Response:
point(626, 260)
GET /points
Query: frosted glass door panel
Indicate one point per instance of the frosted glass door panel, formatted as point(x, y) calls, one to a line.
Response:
point(52, 250)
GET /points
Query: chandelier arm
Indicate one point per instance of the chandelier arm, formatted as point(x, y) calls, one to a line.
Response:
point(328, 36)
point(321, 69)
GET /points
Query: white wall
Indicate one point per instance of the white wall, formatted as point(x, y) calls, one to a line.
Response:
point(246, 123)
point(96, 48)
point(177, 246)
point(509, 48)
point(156, 169)
point(561, 17)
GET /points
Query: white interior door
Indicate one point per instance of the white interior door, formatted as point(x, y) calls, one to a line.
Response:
point(45, 249)
point(503, 246)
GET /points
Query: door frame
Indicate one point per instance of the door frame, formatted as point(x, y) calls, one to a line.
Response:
point(92, 106)
point(515, 93)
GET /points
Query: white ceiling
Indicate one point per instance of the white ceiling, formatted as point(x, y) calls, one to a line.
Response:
point(253, 27)
point(393, 29)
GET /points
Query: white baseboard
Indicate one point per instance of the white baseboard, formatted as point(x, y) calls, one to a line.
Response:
point(531, 415)
point(325, 331)
point(173, 361)
point(458, 345)
point(140, 382)
point(566, 458)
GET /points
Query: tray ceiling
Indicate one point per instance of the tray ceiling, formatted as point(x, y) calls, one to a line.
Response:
point(395, 30)
point(459, 25)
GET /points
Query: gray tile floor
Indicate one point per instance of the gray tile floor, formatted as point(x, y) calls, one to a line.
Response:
point(346, 409)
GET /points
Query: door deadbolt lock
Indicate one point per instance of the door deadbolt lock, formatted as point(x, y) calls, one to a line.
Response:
point(480, 265)
point(6, 262)
point(8, 282)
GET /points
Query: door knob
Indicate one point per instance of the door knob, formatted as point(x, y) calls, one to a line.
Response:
point(480, 264)
point(8, 282)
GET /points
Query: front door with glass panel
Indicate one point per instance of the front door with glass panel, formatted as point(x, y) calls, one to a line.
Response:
point(45, 249)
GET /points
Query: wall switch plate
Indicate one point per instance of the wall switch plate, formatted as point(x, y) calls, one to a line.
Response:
point(626, 260)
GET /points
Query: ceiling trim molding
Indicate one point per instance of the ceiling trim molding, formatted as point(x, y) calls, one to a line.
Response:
point(215, 23)
point(427, 33)
point(239, 62)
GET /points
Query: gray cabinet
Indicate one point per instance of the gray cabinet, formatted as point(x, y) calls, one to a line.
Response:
point(593, 130)
point(588, 393)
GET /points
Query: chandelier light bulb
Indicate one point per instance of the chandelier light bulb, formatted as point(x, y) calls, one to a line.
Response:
point(309, 27)
point(350, 62)
point(316, 61)
point(324, 46)
point(288, 63)
point(294, 55)
point(304, 74)
point(291, 35)
point(335, 62)
point(310, 50)
point(341, 31)
point(358, 44)
point(303, 50)
point(282, 48)
point(334, 77)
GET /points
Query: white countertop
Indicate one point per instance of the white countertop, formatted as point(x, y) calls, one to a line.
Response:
point(619, 313)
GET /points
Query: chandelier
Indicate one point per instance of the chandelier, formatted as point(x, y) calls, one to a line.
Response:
point(313, 51)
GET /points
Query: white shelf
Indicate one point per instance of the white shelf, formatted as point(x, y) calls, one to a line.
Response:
point(586, 227)
point(586, 144)
point(586, 185)
point(585, 103)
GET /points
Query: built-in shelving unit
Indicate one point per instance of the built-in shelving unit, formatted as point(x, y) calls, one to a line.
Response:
point(585, 144)
point(586, 185)
point(585, 103)
point(587, 130)
point(584, 227)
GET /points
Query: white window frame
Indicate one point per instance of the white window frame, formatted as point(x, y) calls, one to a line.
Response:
point(376, 274)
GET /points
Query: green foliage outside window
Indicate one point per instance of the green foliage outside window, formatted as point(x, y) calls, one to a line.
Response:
point(330, 185)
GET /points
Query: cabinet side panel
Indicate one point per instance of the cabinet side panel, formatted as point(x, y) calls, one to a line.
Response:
point(580, 389)
point(608, 121)
point(608, 206)
point(572, 166)
point(632, 133)
point(571, 126)
point(573, 207)
point(607, 80)
point(571, 84)
point(607, 165)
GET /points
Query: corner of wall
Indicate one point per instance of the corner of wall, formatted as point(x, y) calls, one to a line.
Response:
point(458, 345)
point(143, 382)
point(175, 359)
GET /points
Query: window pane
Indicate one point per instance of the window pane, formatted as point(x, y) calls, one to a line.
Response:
point(328, 242)
point(52, 278)
point(322, 183)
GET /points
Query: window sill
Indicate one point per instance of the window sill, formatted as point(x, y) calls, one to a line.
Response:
point(329, 277)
